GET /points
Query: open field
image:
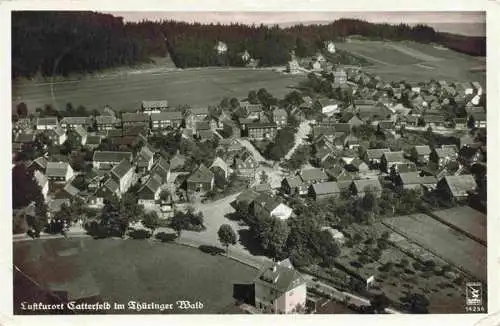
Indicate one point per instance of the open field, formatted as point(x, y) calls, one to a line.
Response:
point(414, 62)
point(450, 245)
point(142, 271)
point(466, 219)
point(195, 87)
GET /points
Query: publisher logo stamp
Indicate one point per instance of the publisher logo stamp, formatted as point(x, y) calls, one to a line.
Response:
point(474, 294)
point(474, 297)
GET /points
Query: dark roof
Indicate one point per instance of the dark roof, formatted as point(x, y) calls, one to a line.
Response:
point(93, 140)
point(394, 156)
point(342, 127)
point(433, 118)
point(376, 153)
point(82, 132)
point(203, 125)
point(201, 175)
point(135, 117)
point(253, 108)
point(152, 185)
point(279, 277)
point(75, 120)
point(478, 116)
point(326, 188)
point(121, 169)
point(422, 149)
point(166, 115)
point(460, 185)
point(256, 125)
point(56, 169)
point(110, 156)
point(25, 138)
point(266, 201)
point(386, 124)
point(48, 121)
point(111, 185)
point(105, 119)
point(247, 196)
point(312, 174)
point(293, 181)
point(409, 178)
point(40, 161)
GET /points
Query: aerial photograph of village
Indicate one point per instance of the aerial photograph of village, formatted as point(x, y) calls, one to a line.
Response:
point(249, 163)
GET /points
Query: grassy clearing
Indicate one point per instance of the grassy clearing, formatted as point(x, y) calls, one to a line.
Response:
point(195, 87)
point(140, 270)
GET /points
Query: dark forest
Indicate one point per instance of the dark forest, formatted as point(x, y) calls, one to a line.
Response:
point(61, 43)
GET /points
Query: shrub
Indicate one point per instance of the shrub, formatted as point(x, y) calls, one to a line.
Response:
point(140, 234)
point(166, 237)
point(212, 250)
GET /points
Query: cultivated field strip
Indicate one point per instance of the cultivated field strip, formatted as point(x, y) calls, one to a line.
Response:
point(452, 246)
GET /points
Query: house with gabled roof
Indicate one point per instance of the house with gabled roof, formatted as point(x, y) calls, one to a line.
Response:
point(279, 288)
point(81, 134)
point(108, 159)
point(291, 185)
point(166, 119)
point(73, 122)
point(123, 175)
point(280, 117)
point(324, 190)
point(130, 119)
point(443, 155)
point(149, 193)
point(106, 122)
point(314, 175)
point(391, 159)
point(244, 163)
point(201, 180)
point(351, 142)
point(457, 187)
point(359, 187)
point(93, 141)
point(194, 115)
point(161, 168)
point(269, 206)
point(151, 107)
point(59, 172)
point(373, 156)
point(477, 120)
point(145, 158)
point(219, 166)
point(56, 135)
point(38, 164)
point(420, 153)
point(46, 123)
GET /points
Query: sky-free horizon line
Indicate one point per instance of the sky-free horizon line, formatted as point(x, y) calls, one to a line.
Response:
point(267, 17)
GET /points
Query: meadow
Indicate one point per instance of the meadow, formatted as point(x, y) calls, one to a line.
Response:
point(144, 271)
point(125, 91)
point(414, 62)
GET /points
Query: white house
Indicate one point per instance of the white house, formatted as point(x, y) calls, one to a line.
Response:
point(330, 47)
point(221, 47)
point(46, 123)
point(43, 182)
point(281, 289)
point(59, 171)
point(282, 211)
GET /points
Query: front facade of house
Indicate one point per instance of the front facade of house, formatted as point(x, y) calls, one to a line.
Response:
point(280, 289)
point(123, 175)
point(444, 155)
point(102, 159)
point(47, 123)
point(149, 194)
point(73, 122)
point(324, 190)
point(135, 119)
point(261, 131)
point(59, 172)
point(164, 120)
point(280, 117)
point(106, 122)
point(202, 180)
point(56, 135)
point(150, 107)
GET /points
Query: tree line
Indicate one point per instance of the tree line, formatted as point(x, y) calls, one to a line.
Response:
point(62, 42)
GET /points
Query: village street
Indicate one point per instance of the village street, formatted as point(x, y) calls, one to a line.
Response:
point(300, 136)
